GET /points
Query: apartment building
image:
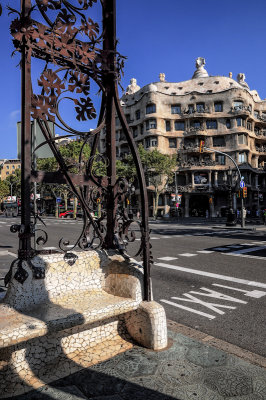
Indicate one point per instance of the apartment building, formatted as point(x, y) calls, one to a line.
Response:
point(222, 112)
point(8, 167)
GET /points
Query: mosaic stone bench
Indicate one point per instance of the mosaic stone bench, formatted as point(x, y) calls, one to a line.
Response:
point(76, 316)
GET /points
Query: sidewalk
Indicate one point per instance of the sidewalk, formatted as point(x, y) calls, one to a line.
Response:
point(193, 367)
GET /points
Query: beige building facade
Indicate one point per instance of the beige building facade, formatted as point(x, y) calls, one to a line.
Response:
point(8, 167)
point(220, 111)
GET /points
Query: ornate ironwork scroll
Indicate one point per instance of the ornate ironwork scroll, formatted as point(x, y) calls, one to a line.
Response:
point(75, 51)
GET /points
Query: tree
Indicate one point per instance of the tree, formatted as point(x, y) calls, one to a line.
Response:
point(4, 190)
point(15, 181)
point(159, 169)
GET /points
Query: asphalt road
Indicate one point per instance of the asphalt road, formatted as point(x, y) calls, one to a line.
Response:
point(210, 279)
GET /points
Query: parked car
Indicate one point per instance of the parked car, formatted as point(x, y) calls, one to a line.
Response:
point(70, 214)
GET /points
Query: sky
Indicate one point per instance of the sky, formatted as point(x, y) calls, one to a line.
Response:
point(159, 36)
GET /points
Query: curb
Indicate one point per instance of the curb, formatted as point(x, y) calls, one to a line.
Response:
point(209, 340)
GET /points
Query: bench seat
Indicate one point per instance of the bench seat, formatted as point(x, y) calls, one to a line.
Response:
point(64, 312)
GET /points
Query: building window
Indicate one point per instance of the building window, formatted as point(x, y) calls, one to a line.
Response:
point(200, 107)
point(195, 124)
point(7, 167)
point(117, 151)
point(117, 136)
point(218, 107)
point(141, 129)
point(242, 139)
point(175, 109)
point(220, 159)
point(7, 173)
point(151, 124)
point(150, 108)
point(211, 124)
point(249, 125)
point(191, 109)
point(128, 118)
point(151, 141)
point(242, 157)
point(240, 122)
point(218, 141)
point(238, 105)
point(117, 121)
point(179, 125)
point(137, 114)
point(228, 124)
point(256, 114)
point(13, 166)
point(167, 126)
point(172, 143)
point(135, 131)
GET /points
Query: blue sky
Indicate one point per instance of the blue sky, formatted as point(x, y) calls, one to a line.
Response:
point(161, 36)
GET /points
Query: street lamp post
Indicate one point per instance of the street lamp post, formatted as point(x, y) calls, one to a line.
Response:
point(231, 219)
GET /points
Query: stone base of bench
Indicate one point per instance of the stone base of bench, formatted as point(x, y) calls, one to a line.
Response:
point(42, 360)
point(79, 315)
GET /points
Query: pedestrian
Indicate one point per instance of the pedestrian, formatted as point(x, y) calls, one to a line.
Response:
point(138, 214)
point(207, 214)
point(264, 216)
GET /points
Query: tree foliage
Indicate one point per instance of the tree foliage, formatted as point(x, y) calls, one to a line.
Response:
point(158, 167)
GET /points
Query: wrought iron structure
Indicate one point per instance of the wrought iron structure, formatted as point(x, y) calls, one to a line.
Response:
point(70, 64)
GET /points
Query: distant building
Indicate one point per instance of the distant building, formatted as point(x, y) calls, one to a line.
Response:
point(176, 117)
point(8, 167)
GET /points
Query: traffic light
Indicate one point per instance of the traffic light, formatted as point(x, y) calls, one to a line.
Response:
point(245, 191)
point(201, 146)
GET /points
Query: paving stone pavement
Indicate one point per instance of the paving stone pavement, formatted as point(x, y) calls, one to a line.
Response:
point(187, 370)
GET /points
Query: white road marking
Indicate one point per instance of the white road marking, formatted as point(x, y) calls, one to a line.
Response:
point(153, 237)
point(12, 254)
point(204, 251)
point(188, 309)
point(166, 237)
point(245, 255)
point(5, 253)
point(212, 275)
point(187, 254)
point(257, 294)
point(49, 248)
point(217, 295)
point(249, 250)
point(167, 258)
point(212, 306)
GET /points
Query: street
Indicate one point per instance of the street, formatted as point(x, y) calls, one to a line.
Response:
point(210, 279)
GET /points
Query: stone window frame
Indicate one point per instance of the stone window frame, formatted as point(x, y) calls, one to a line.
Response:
point(240, 121)
point(228, 123)
point(249, 125)
point(168, 125)
point(245, 139)
point(220, 159)
point(180, 122)
point(151, 124)
point(149, 141)
point(151, 108)
point(200, 107)
point(137, 114)
point(172, 143)
point(242, 157)
point(216, 138)
point(195, 124)
point(175, 106)
point(218, 104)
point(211, 124)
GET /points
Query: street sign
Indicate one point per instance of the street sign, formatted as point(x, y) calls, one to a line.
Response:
point(242, 184)
point(58, 199)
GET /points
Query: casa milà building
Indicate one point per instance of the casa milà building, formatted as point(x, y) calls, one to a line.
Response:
point(175, 117)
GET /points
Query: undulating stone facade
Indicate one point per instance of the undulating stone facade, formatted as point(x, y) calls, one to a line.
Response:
point(220, 111)
point(76, 316)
